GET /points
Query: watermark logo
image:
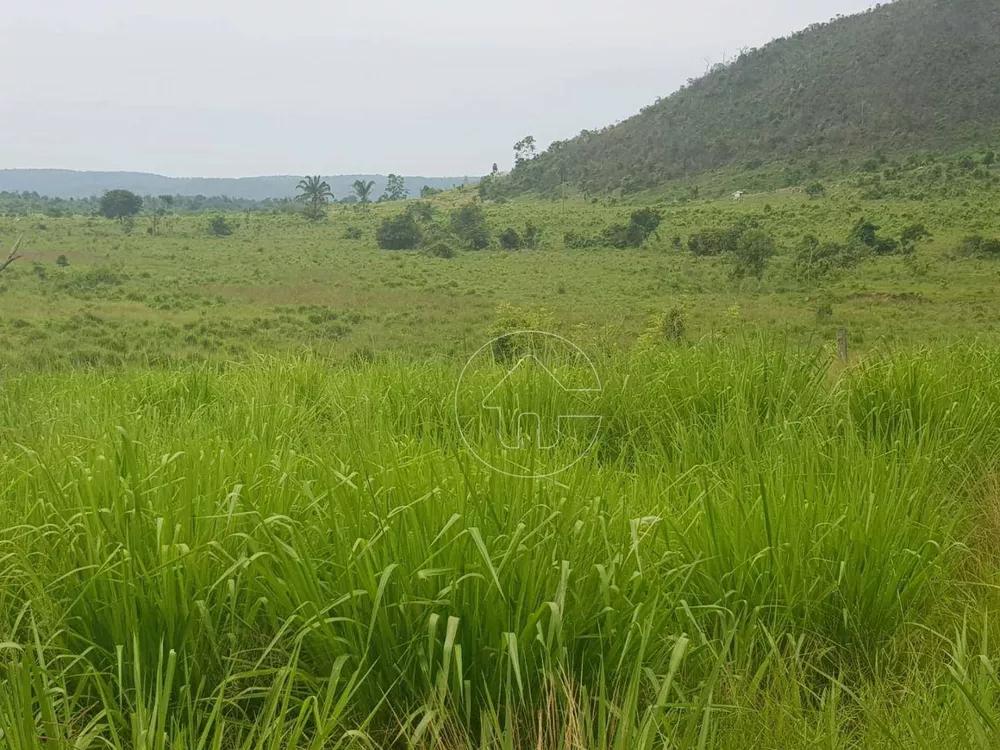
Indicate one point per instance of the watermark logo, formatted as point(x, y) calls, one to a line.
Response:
point(526, 404)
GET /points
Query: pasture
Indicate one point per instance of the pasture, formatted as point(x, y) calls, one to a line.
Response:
point(237, 512)
point(280, 283)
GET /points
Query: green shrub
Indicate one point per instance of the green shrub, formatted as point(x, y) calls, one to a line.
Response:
point(711, 242)
point(219, 226)
point(531, 236)
point(864, 232)
point(441, 250)
point(510, 239)
point(912, 234)
point(815, 260)
point(422, 210)
point(574, 240)
point(400, 232)
point(642, 224)
point(708, 242)
point(468, 223)
point(991, 248)
point(616, 235)
point(886, 246)
point(815, 190)
point(754, 250)
point(978, 245)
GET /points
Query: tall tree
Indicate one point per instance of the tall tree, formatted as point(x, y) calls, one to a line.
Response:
point(525, 150)
point(363, 190)
point(395, 189)
point(119, 204)
point(316, 194)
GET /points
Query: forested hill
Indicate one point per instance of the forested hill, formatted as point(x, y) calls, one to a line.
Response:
point(64, 183)
point(915, 73)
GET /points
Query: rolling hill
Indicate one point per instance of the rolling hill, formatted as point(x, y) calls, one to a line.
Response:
point(64, 183)
point(911, 74)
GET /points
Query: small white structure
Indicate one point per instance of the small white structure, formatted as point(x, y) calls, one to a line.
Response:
point(737, 195)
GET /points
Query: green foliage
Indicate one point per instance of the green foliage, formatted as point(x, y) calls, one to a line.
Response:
point(395, 189)
point(119, 205)
point(264, 597)
point(429, 192)
point(468, 223)
point(981, 246)
point(510, 239)
point(865, 233)
point(886, 246)
point(400, 232)
point(363, 191)
point(62, 261)
point(574, 240)
point(642, 224)
point(709, 242)
point(674, 324)
point(754, 250)
point(815, 260)
point(525, 150)
point(220, 226)
point(815, 190)
point(531, 236)
point(315, 193)
point(422, 210)
point(717, 241)
point(912, 234)
point(441, 250)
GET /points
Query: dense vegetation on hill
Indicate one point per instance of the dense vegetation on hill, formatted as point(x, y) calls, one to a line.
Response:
point(912, 74)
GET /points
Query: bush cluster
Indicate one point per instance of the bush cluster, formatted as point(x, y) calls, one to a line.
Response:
point(465, 227)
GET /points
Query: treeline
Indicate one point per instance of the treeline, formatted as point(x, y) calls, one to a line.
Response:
point(29, 203)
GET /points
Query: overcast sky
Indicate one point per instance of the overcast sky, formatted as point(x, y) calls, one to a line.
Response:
point(422, 87)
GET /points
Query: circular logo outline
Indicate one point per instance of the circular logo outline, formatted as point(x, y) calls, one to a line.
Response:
point(598, 389)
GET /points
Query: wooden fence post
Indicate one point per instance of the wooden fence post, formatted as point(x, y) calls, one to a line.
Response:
point(842, 344)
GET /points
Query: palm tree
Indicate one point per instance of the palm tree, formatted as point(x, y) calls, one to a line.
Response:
point(363, 190)
point(315, 192)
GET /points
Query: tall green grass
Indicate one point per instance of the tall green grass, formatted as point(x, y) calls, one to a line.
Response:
point(761, 550)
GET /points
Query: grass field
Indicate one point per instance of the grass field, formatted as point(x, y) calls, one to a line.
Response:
point(280, 554)
point(237, 510)
point(282, 283)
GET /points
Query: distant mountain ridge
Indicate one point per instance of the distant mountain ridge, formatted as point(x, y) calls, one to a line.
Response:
point(911, 74)
point(66, 183)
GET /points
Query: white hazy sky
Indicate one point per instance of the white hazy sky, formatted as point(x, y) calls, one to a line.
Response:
point(429, 87)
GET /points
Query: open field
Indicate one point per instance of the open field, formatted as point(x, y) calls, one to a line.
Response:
point(237, 510)
point(762, 551)
point(282, 283)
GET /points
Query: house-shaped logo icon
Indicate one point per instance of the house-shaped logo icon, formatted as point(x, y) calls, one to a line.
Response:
point(535, 418)
point(520, 424)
